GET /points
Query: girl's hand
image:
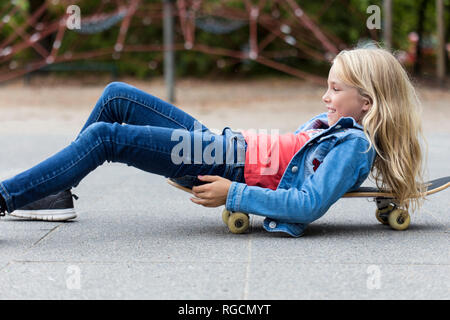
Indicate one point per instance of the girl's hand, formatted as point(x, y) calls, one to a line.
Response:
point(213, 194)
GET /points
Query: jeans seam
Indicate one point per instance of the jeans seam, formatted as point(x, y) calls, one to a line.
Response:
point(142, 104)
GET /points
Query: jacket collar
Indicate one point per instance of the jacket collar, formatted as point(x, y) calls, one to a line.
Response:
point(344, 122)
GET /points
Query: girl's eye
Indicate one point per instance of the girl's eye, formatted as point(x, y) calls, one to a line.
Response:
point(335, 89)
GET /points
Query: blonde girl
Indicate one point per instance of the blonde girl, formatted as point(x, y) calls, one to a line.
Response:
point(372, 125)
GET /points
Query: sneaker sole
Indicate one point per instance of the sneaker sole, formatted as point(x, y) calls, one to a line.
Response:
point(46, 215)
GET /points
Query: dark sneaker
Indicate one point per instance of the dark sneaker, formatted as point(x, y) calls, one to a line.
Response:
point(56, 207)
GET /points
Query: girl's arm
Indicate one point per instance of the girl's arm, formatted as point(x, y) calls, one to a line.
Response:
point(345, 167)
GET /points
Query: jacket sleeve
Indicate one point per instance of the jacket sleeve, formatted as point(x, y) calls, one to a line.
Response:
point(345, 167)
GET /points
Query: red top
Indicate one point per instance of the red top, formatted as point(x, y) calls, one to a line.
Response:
point(268, 156)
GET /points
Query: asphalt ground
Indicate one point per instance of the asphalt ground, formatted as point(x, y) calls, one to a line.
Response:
point(136, 237)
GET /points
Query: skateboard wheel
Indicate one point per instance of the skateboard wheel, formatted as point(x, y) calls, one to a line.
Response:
point(399, 219)
point(225, 216)
point(238, 222)
point(382, 215)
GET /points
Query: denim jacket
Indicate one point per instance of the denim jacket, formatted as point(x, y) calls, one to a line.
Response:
point(332, 163)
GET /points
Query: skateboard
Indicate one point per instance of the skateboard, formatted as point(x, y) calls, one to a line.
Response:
point(387, 211)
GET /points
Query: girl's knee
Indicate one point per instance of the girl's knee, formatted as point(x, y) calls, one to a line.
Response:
point(99, 130)
point(116, 89)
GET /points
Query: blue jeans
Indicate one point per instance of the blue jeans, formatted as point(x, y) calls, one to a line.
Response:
point(130, 126)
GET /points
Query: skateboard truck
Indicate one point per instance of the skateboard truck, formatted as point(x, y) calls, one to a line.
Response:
point(388, 211)
point(382, 202)
point(385, 208)
point(237, 222)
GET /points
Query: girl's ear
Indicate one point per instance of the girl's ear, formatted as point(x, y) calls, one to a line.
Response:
point(367, 103)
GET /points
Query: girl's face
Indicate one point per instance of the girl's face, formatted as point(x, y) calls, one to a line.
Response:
point(343, 101)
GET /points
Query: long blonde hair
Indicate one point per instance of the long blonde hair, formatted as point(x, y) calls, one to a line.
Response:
point(393, 123)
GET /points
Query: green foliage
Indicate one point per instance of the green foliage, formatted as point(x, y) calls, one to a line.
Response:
point(343, 19)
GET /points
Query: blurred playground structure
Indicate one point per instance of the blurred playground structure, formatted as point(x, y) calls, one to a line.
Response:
point(281, 20)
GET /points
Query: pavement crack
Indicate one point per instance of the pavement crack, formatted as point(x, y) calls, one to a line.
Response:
point(6, 265)
point(27, 250)
point(45, 235)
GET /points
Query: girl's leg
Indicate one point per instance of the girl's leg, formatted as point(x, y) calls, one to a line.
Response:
point(123, 103)
point(152, 149)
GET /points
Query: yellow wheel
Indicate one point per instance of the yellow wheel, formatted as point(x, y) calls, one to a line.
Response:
point(238, 222)
point(399, 219)
point(383, 214)
point(225, 216)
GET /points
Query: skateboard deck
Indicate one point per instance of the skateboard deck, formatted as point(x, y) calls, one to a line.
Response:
point(431, 187)
point(387, 211)
point(176, 185)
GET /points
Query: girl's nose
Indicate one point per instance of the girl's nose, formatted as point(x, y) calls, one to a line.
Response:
point(325, 97)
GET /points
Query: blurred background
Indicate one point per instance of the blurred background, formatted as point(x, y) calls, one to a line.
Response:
point(207, 55)
point(213, 38)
